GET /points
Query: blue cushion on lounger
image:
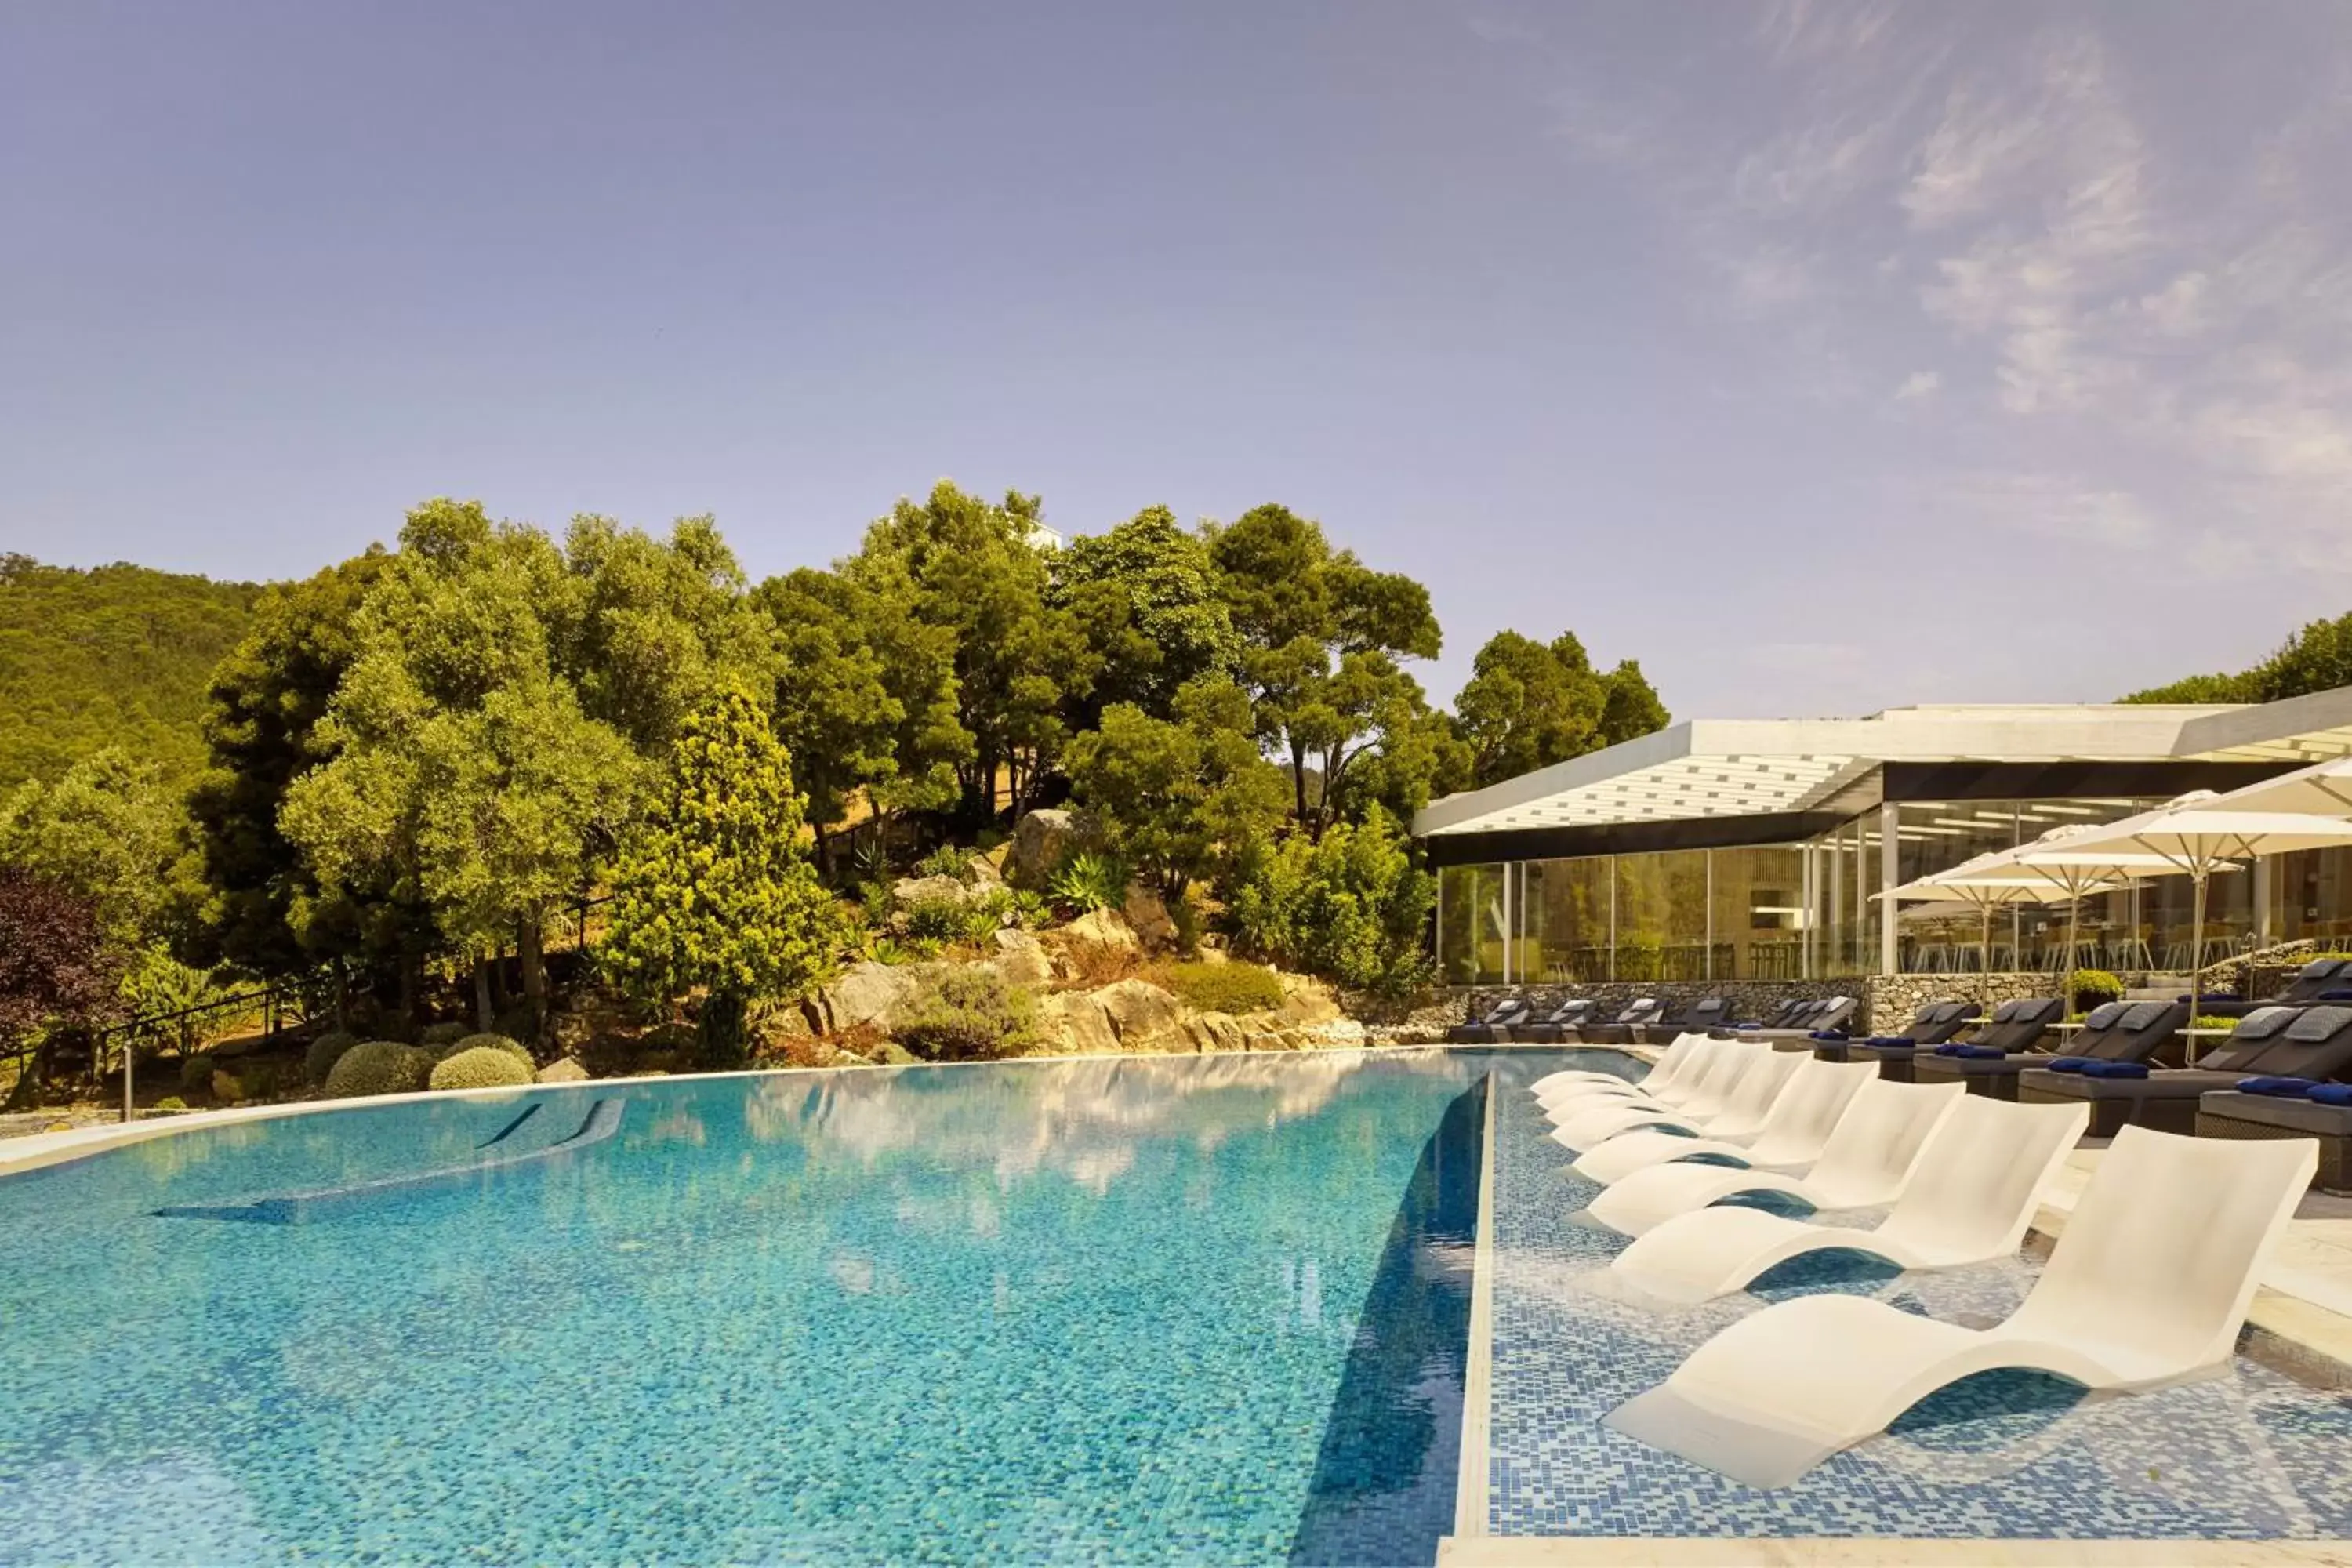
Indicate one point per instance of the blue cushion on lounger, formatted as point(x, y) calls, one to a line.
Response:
point(2115, 1069)
point(1981, 1053)
point(1890, 1040)
point(2284, 1088)
point(1947, 1050)
point(2330, 1093)
point(2336, 996)
point(2074, 1064)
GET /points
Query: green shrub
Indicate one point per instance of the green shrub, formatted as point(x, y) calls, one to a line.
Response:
point(936, 920)
point(381, 1066)
point(2213, 1023)
point(946, 860)
point(1350, 907)
point(1088, 881)
point(434, 1037)
point(1030, 907)
point(969, 1014)
point(195, 1072)
point(170, 1102)
point(2088, 988)
point(324, 1052)
point(506, 1042)
point(1224, 987)
point(481, 1066)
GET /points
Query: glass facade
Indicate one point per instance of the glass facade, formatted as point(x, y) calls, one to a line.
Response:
point(1806, 911)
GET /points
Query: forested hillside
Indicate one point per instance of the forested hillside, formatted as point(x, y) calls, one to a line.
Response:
point(115, 656)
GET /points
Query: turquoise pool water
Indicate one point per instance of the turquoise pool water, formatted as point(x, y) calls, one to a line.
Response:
point(1196, 1310)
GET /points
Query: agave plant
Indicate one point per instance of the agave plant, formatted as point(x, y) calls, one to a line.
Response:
point(1088, 881)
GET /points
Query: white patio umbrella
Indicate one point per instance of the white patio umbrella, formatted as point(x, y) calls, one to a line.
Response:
point(2194, 837)
point(1996, 880)
point(2324, 789)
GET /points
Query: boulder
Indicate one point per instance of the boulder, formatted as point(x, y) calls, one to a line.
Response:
point(565, 1070)
point(1040, 842)
point(1074, 1023)
point(891, 1054)
point(1144, 1018)
point(868, 993)
point(984, 872)
point(1307, 1001)
point(1020, 959)
point(1216, 1032)
point(909, 890)
point(1148, 915)
point(1103, 926)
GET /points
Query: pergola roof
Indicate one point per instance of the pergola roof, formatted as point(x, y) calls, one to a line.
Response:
point(1716, 768)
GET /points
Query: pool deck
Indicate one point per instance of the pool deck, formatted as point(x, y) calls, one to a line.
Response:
point(2301, 1320)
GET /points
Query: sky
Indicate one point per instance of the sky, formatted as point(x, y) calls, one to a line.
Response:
point(1823, 357)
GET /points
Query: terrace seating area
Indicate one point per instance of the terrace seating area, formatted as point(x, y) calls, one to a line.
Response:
point(2129, 1300)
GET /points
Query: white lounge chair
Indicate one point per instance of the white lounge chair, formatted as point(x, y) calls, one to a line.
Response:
point(1751, 1098)
point(1791, 1137)
point(2148, 1286)
point(1662, 1072)
point(1969, 1200)
point(1673, 1074)
point(1710, 1062)
point(1867, 1159)
point(1581, 1125)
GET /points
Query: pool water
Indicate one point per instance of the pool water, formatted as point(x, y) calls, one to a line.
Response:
point(2250, 1454)
point(1192, 1309)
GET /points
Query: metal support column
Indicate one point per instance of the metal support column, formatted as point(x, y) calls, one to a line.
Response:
point(1890, 870)
point(1708, 968)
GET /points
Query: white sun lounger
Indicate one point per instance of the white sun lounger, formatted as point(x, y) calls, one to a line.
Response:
point(2148, 1286)
point(1791, 1137)
point(1752, 1097)
point(1671, 1061)
point(1582, 1125)
point(1700, 1087)
point(1869, 1156)
point(1969, 1200)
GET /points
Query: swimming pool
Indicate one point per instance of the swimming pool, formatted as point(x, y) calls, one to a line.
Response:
point(1203, 1308)
point(1144, 1310)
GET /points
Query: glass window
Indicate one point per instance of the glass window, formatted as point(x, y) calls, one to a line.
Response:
point(1662, 915)
point(1470, 931)
point(1757, 894)
point(1564, 926)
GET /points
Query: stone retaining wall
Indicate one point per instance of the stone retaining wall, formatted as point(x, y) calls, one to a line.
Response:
point(1888, 1001)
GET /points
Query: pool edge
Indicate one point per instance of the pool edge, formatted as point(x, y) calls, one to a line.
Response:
point(1471, 1482)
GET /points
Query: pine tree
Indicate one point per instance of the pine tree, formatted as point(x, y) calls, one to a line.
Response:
point(716, 889)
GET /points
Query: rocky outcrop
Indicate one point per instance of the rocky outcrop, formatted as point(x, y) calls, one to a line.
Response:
point(1144, 1018)
point(1020, 959)
point(1040, 842)
point(868, 993)
point(1104, 927)
point(1147, 916)
point(565, 1070)
point(1073, 1023)
point(929, 891)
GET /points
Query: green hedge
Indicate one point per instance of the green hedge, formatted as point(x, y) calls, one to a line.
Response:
point(1233, 987)
point(482, 1067)
point(381, 1066)
point(506, 1042)
point(324, 1052)
point(969, 1015)
point(435, 1036)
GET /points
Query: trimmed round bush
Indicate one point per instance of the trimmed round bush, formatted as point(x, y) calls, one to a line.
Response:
point(506, 1042)
point(325, 1052)
point(437, 1035)
point(196, 1072)
point(381, 1066)
point(482, 1067)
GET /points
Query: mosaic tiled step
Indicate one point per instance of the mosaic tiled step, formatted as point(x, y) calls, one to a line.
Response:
point(602, 1120)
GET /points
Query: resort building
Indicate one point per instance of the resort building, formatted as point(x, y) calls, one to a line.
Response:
point(1739, 850)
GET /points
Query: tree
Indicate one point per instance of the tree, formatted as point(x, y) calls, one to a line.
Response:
point(960, 565)
point(113, 656)
point(1528, 705)
point(1145, 595)
point(2316, 659)
point(57, 969)
point(260, 731)
point(864, 699)
point(715, 892)
point(1351, 907)
point(110, 830)
point(1321, 636)
point(1178, 797)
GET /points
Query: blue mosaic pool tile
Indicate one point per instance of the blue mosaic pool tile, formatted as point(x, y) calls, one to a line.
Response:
point(2250, 1454)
